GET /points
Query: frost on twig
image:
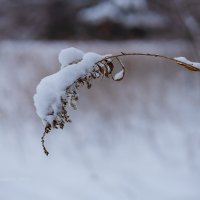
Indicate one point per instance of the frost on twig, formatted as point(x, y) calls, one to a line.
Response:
point(56, 93)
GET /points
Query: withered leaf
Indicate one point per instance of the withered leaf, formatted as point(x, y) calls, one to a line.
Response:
point(187, 66)
point(111, 66)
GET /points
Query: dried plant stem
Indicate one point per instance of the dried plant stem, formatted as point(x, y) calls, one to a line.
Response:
point(43, 145)
point(120, 62)
point(102, 68)
point(190, 67)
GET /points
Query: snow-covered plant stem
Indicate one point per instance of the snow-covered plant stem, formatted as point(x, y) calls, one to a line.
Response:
point(58, 92)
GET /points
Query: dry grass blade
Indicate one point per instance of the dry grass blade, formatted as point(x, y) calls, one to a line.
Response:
point(189, 67)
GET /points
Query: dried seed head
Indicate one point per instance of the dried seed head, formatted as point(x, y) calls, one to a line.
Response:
point(70, 98)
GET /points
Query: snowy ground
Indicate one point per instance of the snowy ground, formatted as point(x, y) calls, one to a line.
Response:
point(138, 139)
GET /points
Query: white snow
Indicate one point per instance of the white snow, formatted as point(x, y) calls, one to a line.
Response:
point(70, 56)
point(51, 88)
point(185, 60)
point(118, 76)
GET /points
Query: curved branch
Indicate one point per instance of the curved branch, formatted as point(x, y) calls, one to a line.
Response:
point(102, 68)
point(189, 67)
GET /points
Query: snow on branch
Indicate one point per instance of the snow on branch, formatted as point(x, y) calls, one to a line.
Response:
point(56, 93)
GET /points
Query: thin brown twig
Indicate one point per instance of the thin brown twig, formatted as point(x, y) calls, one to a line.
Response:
point(122, 65)
point(190, 67)
point(105, 72)
point(43, 145)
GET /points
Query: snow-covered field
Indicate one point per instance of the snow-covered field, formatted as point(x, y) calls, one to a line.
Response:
point(138, 139)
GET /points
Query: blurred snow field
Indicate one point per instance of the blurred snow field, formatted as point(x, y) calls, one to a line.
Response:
point(136, 139)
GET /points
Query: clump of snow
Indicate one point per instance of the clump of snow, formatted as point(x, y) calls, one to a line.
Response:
point(185, 60)
point(70, 56)
point(119, 76)
point(49, 91)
